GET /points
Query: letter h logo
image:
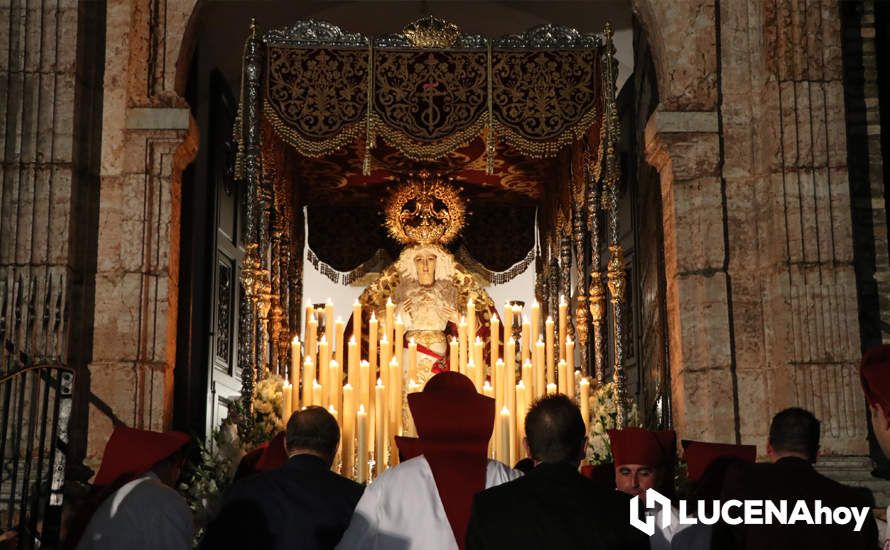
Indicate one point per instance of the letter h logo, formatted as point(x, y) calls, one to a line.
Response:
point(653, 499)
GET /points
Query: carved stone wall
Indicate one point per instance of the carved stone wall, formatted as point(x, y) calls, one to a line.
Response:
point(148, 137)
point(758, 248)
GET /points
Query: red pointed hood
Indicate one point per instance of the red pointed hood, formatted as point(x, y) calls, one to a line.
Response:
point(131, 452)
point(454, 424)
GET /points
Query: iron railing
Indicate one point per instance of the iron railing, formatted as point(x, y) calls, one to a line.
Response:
point(35, 405)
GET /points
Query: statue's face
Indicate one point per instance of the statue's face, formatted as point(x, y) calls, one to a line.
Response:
point(425, 262)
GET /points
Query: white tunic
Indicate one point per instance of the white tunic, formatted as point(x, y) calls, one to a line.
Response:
point(142, 514)
point(402, 509)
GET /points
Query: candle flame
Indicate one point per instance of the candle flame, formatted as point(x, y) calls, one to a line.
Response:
point(296, 340)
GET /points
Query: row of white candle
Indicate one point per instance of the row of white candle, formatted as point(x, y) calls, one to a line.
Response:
point(371, 414)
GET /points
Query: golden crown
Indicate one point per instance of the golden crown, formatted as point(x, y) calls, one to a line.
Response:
point(431, 32)
point(426, 209)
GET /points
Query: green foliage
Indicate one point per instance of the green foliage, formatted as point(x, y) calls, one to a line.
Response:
point(208, 479)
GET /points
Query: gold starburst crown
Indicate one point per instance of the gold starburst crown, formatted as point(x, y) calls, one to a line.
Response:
point(431, 32)
point(426, 209)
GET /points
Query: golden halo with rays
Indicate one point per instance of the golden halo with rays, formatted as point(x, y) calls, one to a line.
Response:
point(426, 209)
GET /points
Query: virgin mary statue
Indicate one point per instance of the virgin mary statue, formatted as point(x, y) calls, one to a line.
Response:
point(429, 288)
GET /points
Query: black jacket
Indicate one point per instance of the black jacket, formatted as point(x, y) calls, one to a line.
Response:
point(794, 479)
point(299, 505)
point(552, 507)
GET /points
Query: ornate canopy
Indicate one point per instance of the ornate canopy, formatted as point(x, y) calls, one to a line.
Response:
point(524, 125)
point(351, 116)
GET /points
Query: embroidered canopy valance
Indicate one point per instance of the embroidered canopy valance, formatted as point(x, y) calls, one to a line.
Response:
point(537, 92)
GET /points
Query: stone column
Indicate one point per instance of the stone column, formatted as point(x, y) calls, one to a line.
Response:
point(749, 141)
point(148, 138)
point(684, 148)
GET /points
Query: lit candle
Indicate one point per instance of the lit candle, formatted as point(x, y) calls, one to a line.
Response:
point(510, 374)
point(505, 425)
point(395, 399)
point(308, 378)
point(536, 321)
point(372, 345)
point(295, 373)
point(398, 344)
point(317, 393)
point(510, 356)
point(463, 344)
point(380, 419)
point(540, 374)
point(348, 437)
point(563, 377)
point(453, 355)
point(412, 359)
point(563, 325)
point(508, 320)
point(338, 456)
point(312, 339)
point(413, 387)
point(584, 390)
point(385, 356)
point(488, 391)
point(478, 356)
point(357, 320)
point(287, 406)
point(528, 375)
point(526, 344)
point(551, 389)
point(307, 314)
point(335, 384)
point(471, 320)
point(329, 324)
point(498, 383)
point(364, 385)
point(521, 409)
point(548, 336)
point(339, 344)
point(570, 366)
point(512, 450)
point(362, 423)
point(324, 362)
point(470, 371)
point(352, 367)
point(390, 325)
point(495, 340)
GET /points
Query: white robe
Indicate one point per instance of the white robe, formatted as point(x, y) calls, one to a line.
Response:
point(142, 514)
point(402, 510)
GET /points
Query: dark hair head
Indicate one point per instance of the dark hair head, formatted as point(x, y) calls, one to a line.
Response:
point(795, 430)
point(313, 429)
point(554, 429)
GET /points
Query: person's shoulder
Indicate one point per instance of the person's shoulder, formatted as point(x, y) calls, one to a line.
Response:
point(497, 473)
point(151, 496)
point(344, 484)
point(506, 491)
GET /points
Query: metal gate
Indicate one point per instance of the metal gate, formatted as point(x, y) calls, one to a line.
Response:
point(35, 405)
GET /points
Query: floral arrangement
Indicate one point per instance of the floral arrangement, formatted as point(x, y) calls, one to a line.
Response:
point(241, 432)
point(603, 416)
